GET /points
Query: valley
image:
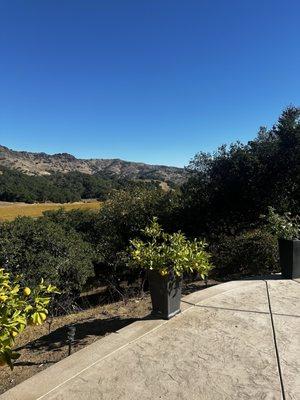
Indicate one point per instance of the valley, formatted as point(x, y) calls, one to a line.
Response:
point(11, 210)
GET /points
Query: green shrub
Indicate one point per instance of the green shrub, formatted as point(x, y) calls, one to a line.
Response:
point(120, 219)
point(42, 249)
point(19, 307)
point(283, 226)
point(165, 252)
point(250, 253)
point(81, 221)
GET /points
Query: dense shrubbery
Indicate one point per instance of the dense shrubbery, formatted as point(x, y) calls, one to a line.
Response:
point(250, 253)
point(42, 249)
point(229, 190)
point(283, 226)
point(120, 218)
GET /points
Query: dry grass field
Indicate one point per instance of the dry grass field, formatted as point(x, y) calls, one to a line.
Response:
point(9, 211)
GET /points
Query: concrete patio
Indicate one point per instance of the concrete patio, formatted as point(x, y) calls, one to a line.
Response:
point(237, 340)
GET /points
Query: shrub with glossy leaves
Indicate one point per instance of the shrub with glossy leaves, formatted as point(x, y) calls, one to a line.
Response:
point(167, 252)
point(283, 226)
point(18, 308)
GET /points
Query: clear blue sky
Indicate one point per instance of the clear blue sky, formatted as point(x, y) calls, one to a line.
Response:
point(144, 80)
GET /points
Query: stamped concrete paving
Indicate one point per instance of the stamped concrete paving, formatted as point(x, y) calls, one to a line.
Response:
point(224, 345)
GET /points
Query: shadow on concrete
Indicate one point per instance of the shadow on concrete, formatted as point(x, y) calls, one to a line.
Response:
point(239, 310)
point(191, 287)
point(270, 277)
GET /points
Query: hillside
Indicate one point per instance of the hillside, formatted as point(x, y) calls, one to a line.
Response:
point(45, 164)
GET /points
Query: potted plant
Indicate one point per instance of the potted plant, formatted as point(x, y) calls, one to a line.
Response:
point(287, 230)
point(166, 257)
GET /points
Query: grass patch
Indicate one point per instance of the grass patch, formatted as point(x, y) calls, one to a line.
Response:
point(10, 211)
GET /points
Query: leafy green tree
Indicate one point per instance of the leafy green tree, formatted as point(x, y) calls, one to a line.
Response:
point(227, 191)
point(81, 221)
point(120, 219)
point(42, 249)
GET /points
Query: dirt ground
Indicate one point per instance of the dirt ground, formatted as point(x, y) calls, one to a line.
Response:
point(41, 348)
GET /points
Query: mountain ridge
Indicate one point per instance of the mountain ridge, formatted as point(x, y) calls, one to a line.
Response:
point(32, 163)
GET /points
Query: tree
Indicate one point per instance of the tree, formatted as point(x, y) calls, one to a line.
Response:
point(227, 191)
point(120, 219)
point(42, 249)
point(60, 187)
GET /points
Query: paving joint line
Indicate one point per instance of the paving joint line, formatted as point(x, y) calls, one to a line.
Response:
point(121, 348)
point(275, 343)
point(129, 343)
point(239, 310)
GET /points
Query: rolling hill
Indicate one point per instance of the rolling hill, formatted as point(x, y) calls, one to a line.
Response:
point(43, 164)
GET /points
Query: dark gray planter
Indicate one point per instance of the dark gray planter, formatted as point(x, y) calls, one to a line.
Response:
point(165, 294)
point(289, 255)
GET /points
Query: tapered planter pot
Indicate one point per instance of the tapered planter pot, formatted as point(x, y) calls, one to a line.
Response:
point(165, 294)
point(289, 255)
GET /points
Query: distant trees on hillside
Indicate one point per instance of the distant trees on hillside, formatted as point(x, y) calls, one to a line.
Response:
point(59, 188)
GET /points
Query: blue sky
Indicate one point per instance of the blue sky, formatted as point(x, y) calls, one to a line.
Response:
point(144, 80)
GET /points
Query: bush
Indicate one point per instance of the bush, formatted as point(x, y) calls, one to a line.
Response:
point(42, 249)
point(283, 226)
point(120, 219)
point(18, 307)
point(81, 221)
point(165, 252)
point(250, 253)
